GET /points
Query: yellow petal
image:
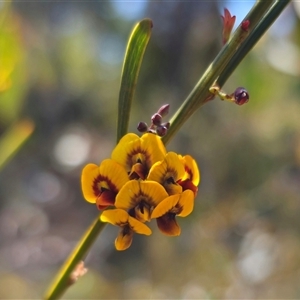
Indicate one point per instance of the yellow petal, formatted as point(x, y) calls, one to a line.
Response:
point(115, 174)
point(168, 172)
point(170, 167)
point(134, 192)
point(138, 226)
point(145, 150)
point(155, 192)
point(153, 144)
point(181, 205)
point(165, 206)
point(173, 188)
point(186, 203)
point(192, 170)
point(168, 225)
point(109, 175)
point(117, 217)
point(89, 176)
point(124, 239)
point(124, 149)
point(142, 212)
point(175, 166)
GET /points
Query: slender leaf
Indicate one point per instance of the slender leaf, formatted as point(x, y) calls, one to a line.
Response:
point(133, 58)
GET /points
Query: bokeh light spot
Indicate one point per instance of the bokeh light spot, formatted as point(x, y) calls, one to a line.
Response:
point(71, 149)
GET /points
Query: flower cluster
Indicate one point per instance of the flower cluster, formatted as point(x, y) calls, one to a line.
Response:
point(140, 182)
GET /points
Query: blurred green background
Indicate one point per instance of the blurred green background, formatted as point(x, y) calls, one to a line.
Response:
point(60, 66)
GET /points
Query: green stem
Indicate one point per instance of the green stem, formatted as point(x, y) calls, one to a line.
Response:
point(62, 281)
point(200, 94)
point(253, 38)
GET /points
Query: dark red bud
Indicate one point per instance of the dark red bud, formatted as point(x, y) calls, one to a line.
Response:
point(164, 110)
point(161, 130)
point(245, 25)
point(166, 124)
point(142, 127)
point(156, 119)
point(241, 96)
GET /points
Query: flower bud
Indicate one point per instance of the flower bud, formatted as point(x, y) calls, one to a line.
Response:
point(166, 124)
point(245, 25)
point(161, 130)
point(241, 96)
point(164, 110)
point(228, 23)
point(142, 127)
point(156, 119)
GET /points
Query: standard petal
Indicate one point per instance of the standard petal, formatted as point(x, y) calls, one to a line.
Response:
point(175, 166)
point(114, 174)
point(145, 150)
point(153, 144)
point(90, 175)
point(157, 171)
point(168, 225)
point(124, 149)
point(134, 192)
point(128, 196)
point(155, 192)
point(165, 206)
point(170, 167)
point(186, 203)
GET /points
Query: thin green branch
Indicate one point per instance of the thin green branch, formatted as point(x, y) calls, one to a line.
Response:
point(253, 38)
point(200, 94)
point(63, 279)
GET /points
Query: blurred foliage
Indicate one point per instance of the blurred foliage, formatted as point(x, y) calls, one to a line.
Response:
point(12, 81)
point(60, 66)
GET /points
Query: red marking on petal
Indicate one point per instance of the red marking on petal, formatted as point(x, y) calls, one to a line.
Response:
point(106, 199)
point(188, 185)
point(189, 171)
point(98, 188)
point(131, 161)
point(138, 171)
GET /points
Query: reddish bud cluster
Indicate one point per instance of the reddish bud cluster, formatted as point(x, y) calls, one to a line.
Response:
point(156, 122)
